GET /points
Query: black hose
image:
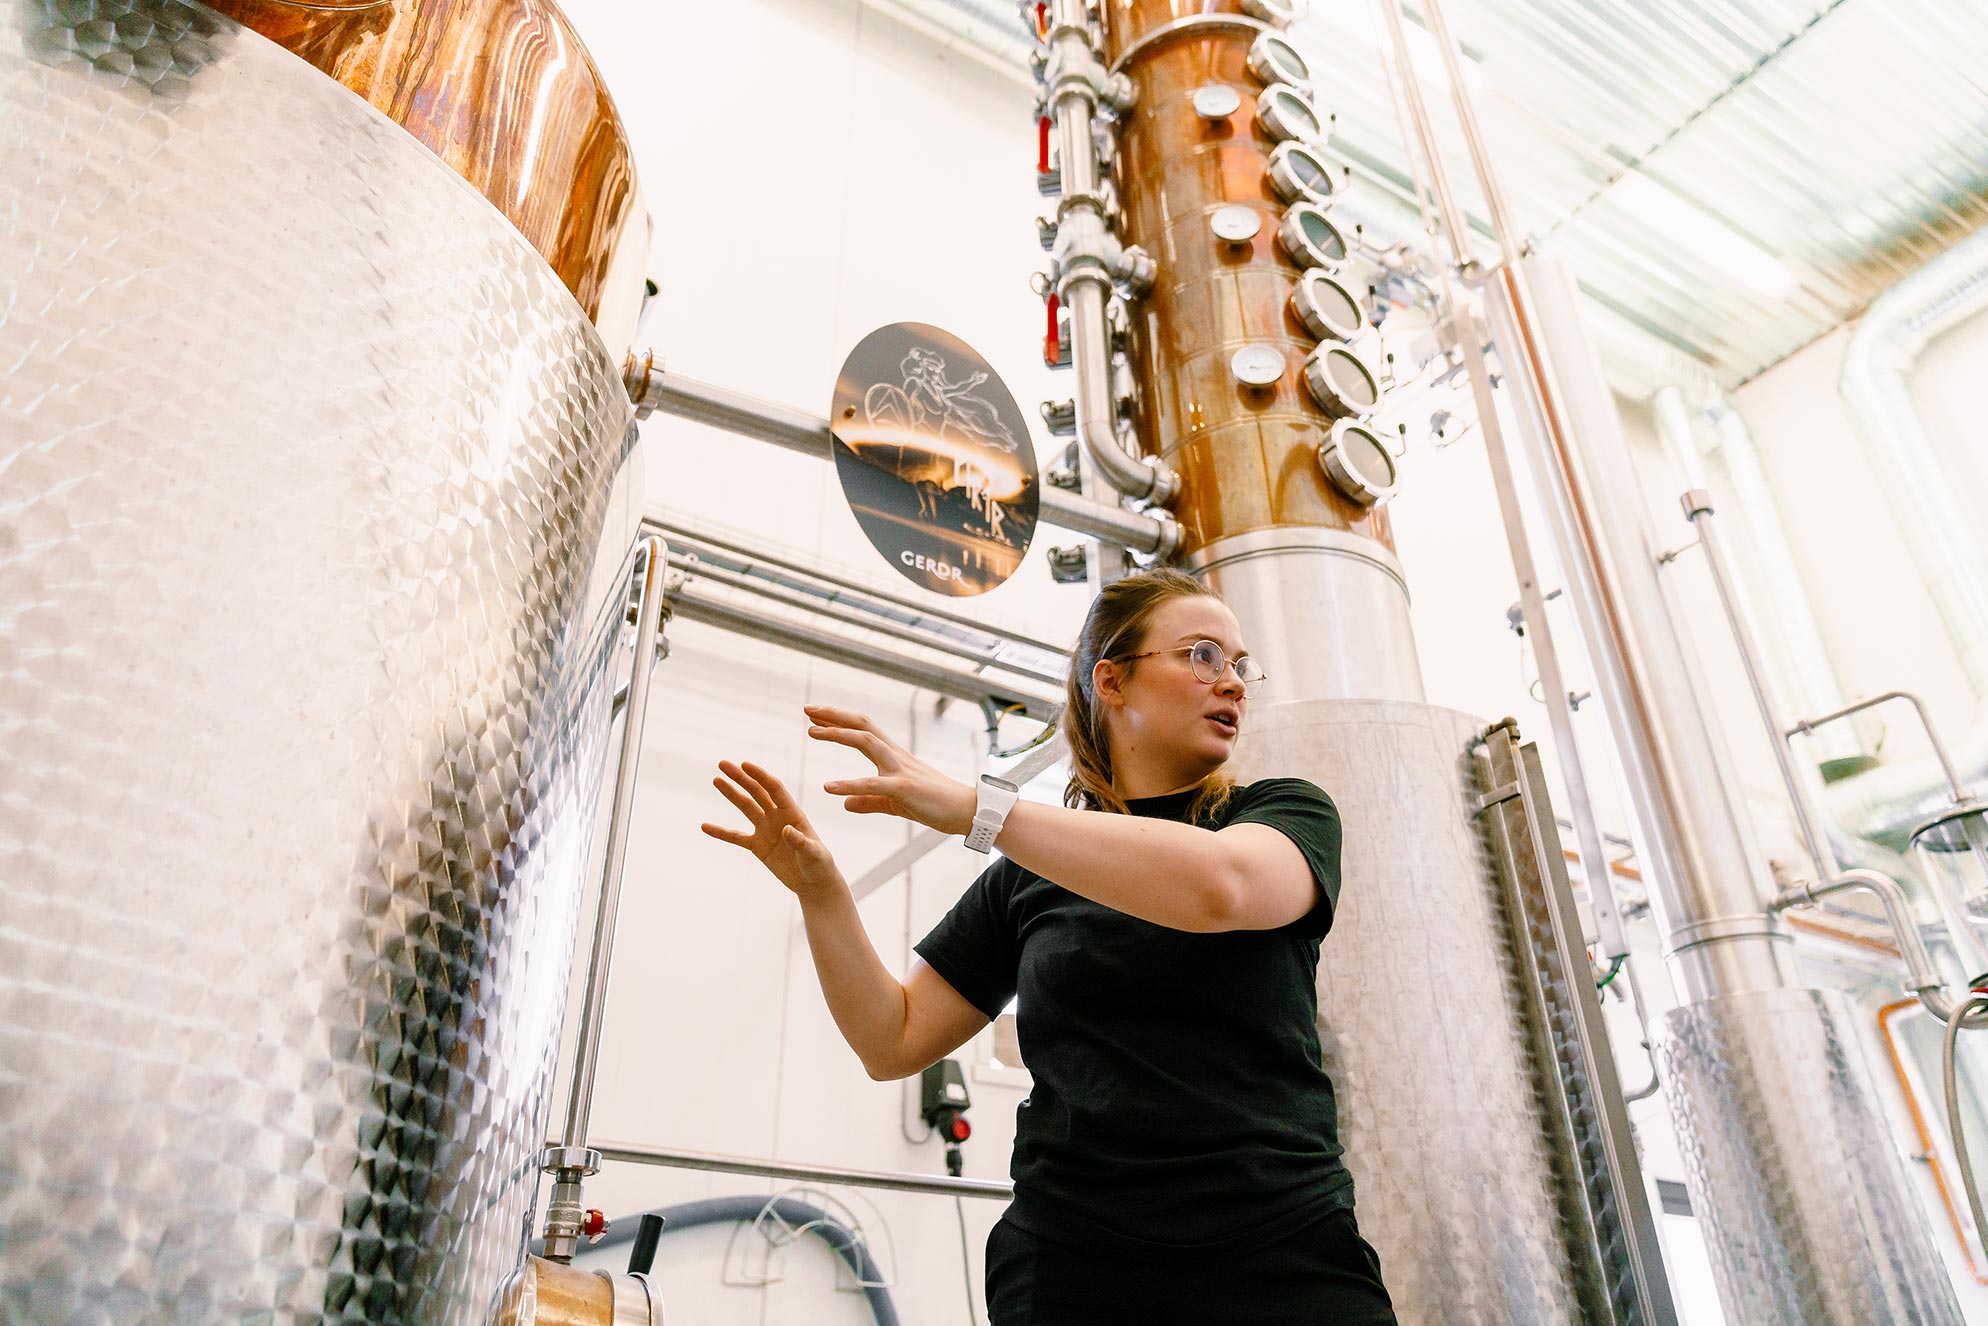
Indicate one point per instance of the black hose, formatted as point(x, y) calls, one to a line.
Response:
point(746, 1208)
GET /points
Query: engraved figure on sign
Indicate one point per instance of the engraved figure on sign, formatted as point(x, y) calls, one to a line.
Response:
point(961, 413)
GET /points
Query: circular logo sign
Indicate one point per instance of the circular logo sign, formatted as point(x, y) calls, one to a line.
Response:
point(935, 459)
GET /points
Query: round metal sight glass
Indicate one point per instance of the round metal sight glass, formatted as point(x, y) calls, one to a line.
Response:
point(1285, 114)
point(1235, 223)
point(1310, 238)
point(1357, 460)
point(1273, 59)
point(1344, 387)
point(1257, 365)
point(1299, 173)
point(1329, 310)
point(1217, 101)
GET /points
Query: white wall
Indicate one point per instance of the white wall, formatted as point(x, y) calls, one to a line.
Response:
point(1870, 600)
point(816, 170)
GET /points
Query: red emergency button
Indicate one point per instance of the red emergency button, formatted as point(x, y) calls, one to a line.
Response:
point(960, 1129)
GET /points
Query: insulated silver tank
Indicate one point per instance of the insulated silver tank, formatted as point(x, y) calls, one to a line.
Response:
point(1473, 1199)
point(315, 484)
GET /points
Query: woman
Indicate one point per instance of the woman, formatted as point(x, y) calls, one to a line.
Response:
point(1177, 1159)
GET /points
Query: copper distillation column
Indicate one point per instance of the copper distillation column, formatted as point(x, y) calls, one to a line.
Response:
point(1213, 315)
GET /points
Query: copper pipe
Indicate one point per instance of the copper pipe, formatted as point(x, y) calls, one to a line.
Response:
point(503, 91)
point(1614, 867)
point(1842, 936)
point(1885, 1015)
point(1246, 456)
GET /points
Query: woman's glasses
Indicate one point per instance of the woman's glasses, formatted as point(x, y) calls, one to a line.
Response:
point(1209, 662)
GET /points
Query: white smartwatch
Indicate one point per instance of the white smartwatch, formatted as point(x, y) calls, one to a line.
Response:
point(997, 798)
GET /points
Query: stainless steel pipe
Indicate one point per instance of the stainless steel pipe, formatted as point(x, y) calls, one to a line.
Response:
point(1432, 188)
point(653, 556)
point(569, 1162)
point(1083, 236)
point(1955, 783)
point(1149, 535)
point(690, 539)
point(695, 605)
point(780, 1169)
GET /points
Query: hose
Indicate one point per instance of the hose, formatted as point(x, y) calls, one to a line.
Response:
point(748, 1207)
point(1951, 1078)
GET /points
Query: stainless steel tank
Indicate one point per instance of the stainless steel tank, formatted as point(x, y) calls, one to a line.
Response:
point(314, 486)
point(1462, 1183)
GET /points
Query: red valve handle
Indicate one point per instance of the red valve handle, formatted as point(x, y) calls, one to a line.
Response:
point(593, 1225)
point(1042, 145)
point(1052, 344)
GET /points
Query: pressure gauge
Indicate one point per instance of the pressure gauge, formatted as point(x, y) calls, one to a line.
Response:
point(1273, 59)
point(1235, 223)
point(1357, 460)
point(1285, 114)
point(1275, 11)
point(1310, 238)
point(1299, 172)
point(1217, 101)
point(1257, 365)
point(1344, 387)
point(1329, 310)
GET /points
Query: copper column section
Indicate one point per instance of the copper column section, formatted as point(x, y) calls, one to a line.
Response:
point(1305, 557)
point(1247, 456)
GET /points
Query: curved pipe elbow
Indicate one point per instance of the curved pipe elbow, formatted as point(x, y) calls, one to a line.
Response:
point(1145, 477)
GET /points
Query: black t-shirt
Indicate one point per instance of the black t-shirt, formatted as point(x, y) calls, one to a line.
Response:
point(1180, 1109)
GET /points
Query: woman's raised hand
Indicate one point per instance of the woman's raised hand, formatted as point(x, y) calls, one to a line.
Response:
point(903, 784)
point(781, 836)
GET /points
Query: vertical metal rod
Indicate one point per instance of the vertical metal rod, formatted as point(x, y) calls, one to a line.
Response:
point(586, 1055)
point(1480, 157)
point(1532, 599)
point(1698, 510)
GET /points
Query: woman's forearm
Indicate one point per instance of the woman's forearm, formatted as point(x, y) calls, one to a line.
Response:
point(1163, 871)
point(865, 1000)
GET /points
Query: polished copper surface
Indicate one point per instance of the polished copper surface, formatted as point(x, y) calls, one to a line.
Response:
point(505, 93)
point(546, 1293)
point(1247, 456)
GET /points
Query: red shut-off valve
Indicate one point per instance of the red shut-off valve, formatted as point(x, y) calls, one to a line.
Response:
point(942, 1103)
point(593, 1225)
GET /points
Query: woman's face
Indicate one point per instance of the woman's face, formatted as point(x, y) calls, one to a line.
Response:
point(1163, 716)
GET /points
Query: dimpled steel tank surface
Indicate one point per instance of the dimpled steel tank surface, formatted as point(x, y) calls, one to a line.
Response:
point(314, 490)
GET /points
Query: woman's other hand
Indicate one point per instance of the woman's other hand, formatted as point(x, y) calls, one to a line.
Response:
point(903, 785)
point(781, 837)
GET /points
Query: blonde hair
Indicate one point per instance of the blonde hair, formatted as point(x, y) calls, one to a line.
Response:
point(1115, 627)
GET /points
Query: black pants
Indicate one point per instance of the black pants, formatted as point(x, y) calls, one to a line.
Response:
point(1323, 1275)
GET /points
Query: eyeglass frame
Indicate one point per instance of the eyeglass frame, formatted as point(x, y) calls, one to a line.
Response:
point(1249, 684)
